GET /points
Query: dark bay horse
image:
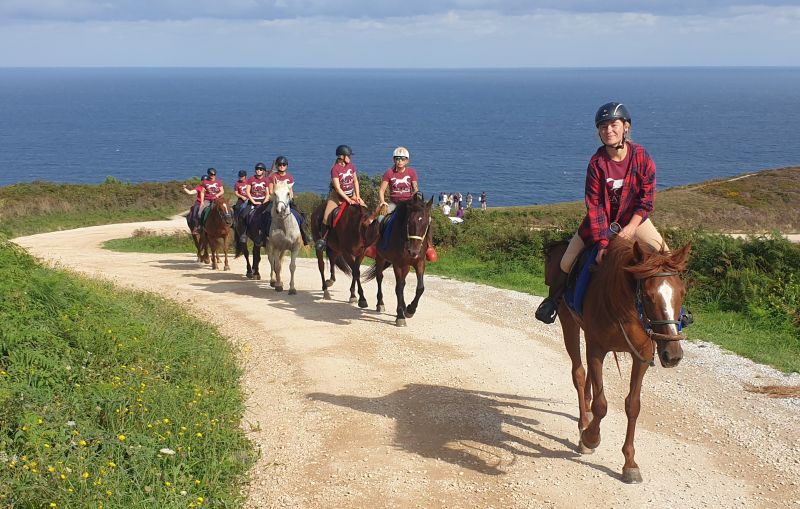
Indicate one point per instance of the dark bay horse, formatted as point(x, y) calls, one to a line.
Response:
point(216, 232)
point(346, 242)
point(632, 304)
point(194, 225)
point(251, 228)
point(404, 248)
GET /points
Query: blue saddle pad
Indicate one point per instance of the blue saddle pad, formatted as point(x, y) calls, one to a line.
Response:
point(573, 296)
point(386, 231)
point(297, 216)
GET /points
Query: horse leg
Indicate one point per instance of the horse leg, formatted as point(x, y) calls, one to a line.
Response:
point(362, 301)
point(331, 258)
point(400, 274)
point(225, 250)
point(590, 437)
point(292, 265)
point(246, 253)
point(277, 267)
point(326, 295)
point(379, 266)
point(419, 268)
point(214, 255)
point(630, 471)
point(572, 342)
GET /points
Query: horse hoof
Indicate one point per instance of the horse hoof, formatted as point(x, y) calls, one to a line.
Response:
point(400, 322)
point(329, 283)
point(409, 315)
point(292, 291)
point(583, 449)
point(362, 303)
point(380, 308)
point(227, 268)
point(257, 276)
point(352, 300)
point(588, 443)
point(631, 475)
point(326, 295)
point(278, 288)
point(249, 275)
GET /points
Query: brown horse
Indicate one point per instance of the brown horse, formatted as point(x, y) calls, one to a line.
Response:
point(404, 248)
point(216, 230)
point(194, 224)
point(346, 242)
point(632, 304)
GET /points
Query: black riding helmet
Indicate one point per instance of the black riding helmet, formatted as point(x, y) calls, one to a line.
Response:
point(611, 111)
point(204, 178)
point(261, 166)
point(242, 173)
point(344, 150)
point(211, 171)
point(281, 160)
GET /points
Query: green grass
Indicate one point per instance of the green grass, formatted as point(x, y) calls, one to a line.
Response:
point(98, 388)
point(148, 241)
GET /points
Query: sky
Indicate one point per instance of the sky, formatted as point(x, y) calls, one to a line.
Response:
point(399, 33)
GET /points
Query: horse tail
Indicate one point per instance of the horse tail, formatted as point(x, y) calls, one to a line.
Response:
point(371, 273)
point(342, 264)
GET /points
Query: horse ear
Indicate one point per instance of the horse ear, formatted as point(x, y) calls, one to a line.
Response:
point(430, 203)
point(638, 254)
point(681, 256)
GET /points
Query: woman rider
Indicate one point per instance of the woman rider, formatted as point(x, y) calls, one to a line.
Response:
point(344, 188)
point(239, 189)
point(256, 193)
point(280, 174)
point(402, 183)
point(620, 192)
point(212, 190)
point(194, 211)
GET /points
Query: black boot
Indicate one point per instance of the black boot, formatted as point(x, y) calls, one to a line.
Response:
point(548, 309)
point(323, 234)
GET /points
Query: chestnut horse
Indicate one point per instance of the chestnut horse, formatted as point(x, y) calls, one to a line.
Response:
point(404, 248)
point(632, 304)
point(216, 231)
point(346, 242)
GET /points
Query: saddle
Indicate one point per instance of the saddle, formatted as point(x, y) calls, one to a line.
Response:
point(336, 215)
point(578, 279)
point(204, 215)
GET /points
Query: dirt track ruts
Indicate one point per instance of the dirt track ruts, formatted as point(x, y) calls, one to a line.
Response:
point(471, 405)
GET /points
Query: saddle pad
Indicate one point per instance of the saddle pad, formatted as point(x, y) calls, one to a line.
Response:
point(576, 289)
point(337, 213)
point(386, 230)
point(204, 214)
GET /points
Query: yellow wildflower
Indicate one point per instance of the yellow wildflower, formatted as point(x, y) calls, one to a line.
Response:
point(121, 438)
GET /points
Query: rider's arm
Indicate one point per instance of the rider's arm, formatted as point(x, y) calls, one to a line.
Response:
point(202, 195)
point(357, 191)
point(189, 191)
point(382, 192)
point(415, 186)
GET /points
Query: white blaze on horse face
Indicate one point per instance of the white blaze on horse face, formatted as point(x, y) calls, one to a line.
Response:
point(666, 293)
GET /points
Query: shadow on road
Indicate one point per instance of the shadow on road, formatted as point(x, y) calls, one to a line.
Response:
point(478, 430)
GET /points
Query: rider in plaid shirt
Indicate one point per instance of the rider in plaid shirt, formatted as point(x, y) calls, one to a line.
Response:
point(620, 191)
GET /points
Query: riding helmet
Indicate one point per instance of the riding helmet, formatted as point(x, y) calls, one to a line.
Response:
point(611, 111)
point(211, 171)
point(281, 160)
point(242, 173)
point(344, 150)
point(401, 152)
point(204, 178)
point(261, 166)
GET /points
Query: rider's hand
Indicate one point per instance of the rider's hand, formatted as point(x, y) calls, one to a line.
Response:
point(628, 232)
point(601, 253)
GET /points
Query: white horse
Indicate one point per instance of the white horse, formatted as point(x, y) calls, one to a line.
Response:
point(284, 235)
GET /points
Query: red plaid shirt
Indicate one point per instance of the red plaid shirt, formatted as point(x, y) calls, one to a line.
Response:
point(638, 194)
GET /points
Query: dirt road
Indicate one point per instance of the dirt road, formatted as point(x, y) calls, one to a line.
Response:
point(471, 405)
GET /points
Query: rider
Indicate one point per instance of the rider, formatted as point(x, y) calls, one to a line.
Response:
point(620, 191)
point(194, 211)
point(344, 188)
point(402, 183)
point(281, 165)
point(240, 190)
point(212, 190)
point(257, 192)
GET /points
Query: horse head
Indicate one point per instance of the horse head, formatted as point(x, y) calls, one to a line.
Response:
point(418, 222)
point(660, 291)
point(281, 196)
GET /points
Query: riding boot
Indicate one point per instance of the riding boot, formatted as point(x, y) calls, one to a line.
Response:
point(323, 234)
point(548, 309)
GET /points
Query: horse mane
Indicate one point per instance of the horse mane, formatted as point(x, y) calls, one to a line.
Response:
point(624, 263)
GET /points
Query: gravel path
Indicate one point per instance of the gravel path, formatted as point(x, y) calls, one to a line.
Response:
point(471, 405)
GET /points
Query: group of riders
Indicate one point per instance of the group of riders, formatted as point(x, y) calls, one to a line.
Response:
point(400, 181)
point(619, 194)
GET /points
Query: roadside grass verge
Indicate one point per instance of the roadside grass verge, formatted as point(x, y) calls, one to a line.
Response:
point(144, 240)
point(112, 398)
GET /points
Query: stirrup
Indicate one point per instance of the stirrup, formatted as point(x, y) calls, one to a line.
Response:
point(547, 311)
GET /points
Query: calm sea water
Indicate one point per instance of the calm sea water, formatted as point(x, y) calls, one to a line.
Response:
point(523, 136)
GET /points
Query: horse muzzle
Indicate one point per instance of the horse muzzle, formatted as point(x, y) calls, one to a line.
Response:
point(670, 351)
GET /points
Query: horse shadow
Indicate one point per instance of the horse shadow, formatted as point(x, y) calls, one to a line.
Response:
point(463, 427)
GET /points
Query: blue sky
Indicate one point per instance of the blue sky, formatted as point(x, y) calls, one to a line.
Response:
point(399, 33)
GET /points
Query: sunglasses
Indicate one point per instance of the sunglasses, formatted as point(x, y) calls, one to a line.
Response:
point(400, 158)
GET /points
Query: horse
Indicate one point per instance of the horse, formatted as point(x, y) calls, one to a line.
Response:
point(194, 225)
point(217, 229)
point(404, 248)
point(346, 242)
point(251, 230)
point(284, 235)
point(632, 304)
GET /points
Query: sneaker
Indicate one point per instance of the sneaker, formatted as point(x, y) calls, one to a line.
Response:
point(547, 311)
point(371, 251)
point(430, 254)
point(243, 238)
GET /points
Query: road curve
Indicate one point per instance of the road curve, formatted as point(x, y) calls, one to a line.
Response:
point(471, 405)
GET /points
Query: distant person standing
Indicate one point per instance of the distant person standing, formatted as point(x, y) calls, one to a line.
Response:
point(469, 200)
point(482, 199)
point(620, 192)
point(446, 209)
point(460, 213)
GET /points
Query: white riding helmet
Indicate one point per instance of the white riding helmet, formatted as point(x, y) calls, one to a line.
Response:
point(401, 152)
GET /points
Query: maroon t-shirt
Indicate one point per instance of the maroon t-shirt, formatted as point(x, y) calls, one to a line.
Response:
point(198, 188)
point(346, 175)
point(213, 189)
point(258, 187)
point(400, 183)
point(615, 175)
point(239, 188)
point(285, 177)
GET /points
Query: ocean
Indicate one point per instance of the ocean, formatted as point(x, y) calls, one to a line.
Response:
point(524, 136)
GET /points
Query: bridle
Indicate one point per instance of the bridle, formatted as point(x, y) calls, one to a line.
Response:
point(647, 322)
point(417, 237)
point(287, 209)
